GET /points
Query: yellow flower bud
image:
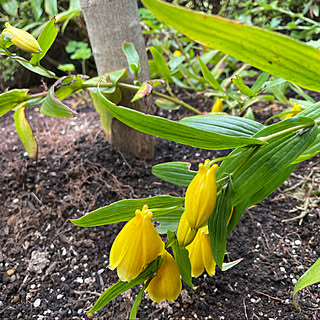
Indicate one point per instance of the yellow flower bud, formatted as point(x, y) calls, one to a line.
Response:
point(166, 285)
point(137, 244)
point(185, 234)
point(177, 53)
point(200, 254)
point(295, 108)
point(218, 106)
point(201, 195)
point(22, 39)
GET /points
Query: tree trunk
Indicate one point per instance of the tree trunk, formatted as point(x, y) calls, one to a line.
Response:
point(109, 24)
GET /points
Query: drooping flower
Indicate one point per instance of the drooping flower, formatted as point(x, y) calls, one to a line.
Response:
point(166, 285)
point(22, 39)
point(137, 244)
point(201, 195)
point(218, 106)
point(200, 254)
point(185, 234)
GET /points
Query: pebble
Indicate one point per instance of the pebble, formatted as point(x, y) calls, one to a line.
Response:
point(37, 303)
point(79, 280)
point(282, 269)
point(63, 279)
point(10, 272)
point(80, 311)
point(294, 281)
point(15, 200)
point(59, 296)
point(297, 242)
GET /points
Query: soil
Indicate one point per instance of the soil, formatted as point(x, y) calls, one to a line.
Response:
point(51, 269)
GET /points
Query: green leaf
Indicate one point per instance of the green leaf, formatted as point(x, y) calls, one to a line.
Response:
point(237, 213)
point(12, 99)
point(312, 150)
point(124, 210)
point(122, 286)
point(169, 221)
point(10, 7)
point(36, 69)
point(50, 7)
point(105, 115)
point(174, 131)
point(238, 82)
point(229, 265)
point(25, 133)
point(36, 8)
point(181, 255)
point(209, 77)
point(218, 223)
point(266, 50)
point(178, 173)
point(266, 163)
point(310, 277)
point(160, 63)
point(46, 39)
point(312, 112)
point(166, 104)
point(227, 125)
point(132, 57)
point(260, 82)
point(143, 91)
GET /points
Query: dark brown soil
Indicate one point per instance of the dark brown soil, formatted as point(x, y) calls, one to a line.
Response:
point(51, 269)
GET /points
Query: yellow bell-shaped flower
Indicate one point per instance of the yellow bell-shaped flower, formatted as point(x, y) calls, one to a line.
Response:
point(166, 285)
point(201, 195)
point(137, 244)
point(218, 106)
point(22, 39)
point(185, 234)
point(200, 254)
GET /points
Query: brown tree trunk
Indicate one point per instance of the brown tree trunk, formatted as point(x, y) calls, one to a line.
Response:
point(109, 24)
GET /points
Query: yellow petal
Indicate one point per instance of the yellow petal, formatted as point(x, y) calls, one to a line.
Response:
point(23, 40)
point(166, 285)
point(218, 106)
point(207, 258)
point(185, 234)
point(195, 256)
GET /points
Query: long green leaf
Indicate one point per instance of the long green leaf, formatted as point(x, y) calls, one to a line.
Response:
point(174, 131)
point(122, 286)
point(25, 133)
point(266, 50)
point(310, 277)
point(45, 40)
point(218, 223)
point(181, 255)
point(227, 125)
point(12, 99)
point(174, 172)
point(124, 210)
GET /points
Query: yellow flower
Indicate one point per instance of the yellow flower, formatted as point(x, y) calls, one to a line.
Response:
point(201, 195)
point(185, 234)
point(166, 285)
point(200, 254)
point(217, 107)
point(137, 244)
point(177, 53)
point(22, 39)
point(296, 108)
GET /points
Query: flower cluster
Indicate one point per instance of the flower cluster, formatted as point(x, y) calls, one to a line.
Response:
point(136, 246)
point(138, 243)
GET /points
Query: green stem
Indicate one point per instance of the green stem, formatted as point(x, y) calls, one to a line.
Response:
point(255, 149)
point(223, 8)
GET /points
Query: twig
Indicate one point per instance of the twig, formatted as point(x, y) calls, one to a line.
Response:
point(267, 295)
point(87, 292)
point(245, 308)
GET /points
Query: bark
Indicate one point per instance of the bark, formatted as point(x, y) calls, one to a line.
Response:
point(109, 24)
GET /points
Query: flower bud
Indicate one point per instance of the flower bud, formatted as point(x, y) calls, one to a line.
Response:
point(22, 39)
point(185, 234)
point(201, 195)
point(218, 106)
point(296, 109)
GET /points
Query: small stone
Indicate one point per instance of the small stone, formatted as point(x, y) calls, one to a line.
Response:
point(282, 269)
point(297, 242)
point(10, 272)
point(37, 303)
point(63, 279)
point(294, 281)
point(80, 311)
point(59, 296)
point(15, 200)
point(15, 299)
point(79, 280)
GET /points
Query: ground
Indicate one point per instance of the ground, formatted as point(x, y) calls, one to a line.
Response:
point(51, 269)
